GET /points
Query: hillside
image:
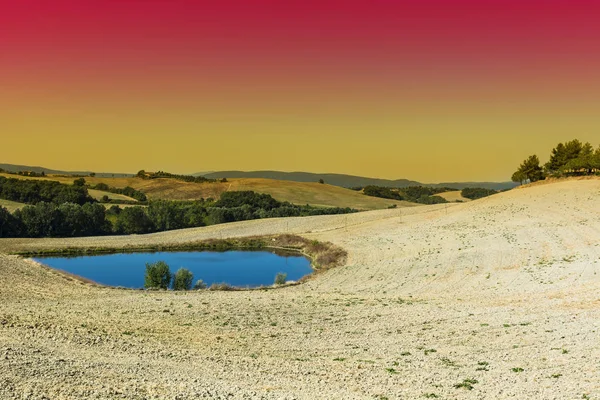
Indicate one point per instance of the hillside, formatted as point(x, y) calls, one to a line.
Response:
point(454, 196)
point(350, 181)
point(50, 171)
point(312, 193)
point(502, 292)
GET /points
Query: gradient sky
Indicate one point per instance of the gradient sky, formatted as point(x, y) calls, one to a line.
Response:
point(433, 90)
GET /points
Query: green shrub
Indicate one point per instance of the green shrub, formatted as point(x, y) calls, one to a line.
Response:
point(158, 275)
point(280, 278)
point(183, 279)
point(221, 286)
point(199, 285)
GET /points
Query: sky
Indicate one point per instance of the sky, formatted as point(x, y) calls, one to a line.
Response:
point(431, 90)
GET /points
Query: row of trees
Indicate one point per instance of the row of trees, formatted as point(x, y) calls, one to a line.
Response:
point(31, 191)
point(55, 220)
point(476, 193)
point(162, 174)
point(571, 158)
point(415, 194)
point(70, 219)
point(158, 276)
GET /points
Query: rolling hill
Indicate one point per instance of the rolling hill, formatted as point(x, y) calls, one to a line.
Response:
point(315, 194)
point(49, 171)
point(500, 294)
point(349, 181)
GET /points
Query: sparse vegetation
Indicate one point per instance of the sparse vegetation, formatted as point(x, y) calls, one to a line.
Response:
point(466, 384)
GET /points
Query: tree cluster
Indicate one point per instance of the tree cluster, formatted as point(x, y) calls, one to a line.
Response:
point(54, 220)
point(162, 174)
point(415, 194)
point(571, 158)
point(69, 219)
point(158, 276)
point(477, 193)
point(32, 191)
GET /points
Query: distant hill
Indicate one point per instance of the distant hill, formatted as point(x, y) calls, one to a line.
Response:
point(350, 181)
point(17, 168)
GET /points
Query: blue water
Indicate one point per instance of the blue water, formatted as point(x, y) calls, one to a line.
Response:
point(237, 268)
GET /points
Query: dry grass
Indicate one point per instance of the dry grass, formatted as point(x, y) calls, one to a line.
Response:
point(98, 194)
point(454, 197)
point(11, 206)
point(315, 194)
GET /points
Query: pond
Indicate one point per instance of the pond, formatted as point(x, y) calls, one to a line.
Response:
point(237, 268)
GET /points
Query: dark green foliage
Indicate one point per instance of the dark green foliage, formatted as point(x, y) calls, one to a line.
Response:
point(252, 199)
point(64, 220)
point(10, 226)
point(424, 199)
point(183, 279)
point(383, 192)
point(32, 191)
point(133, 220)
point(161, 174)
point(567, 159)
point(562, 154)
point(158, 275)
point(415, 194)
point(476, 193)
point(79, 182)
point(68, 219)
point(321, 181)
point(529, 170)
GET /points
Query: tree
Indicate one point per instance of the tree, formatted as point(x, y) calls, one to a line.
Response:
point(10, 226)
point(158, 275)
point(183, 279)
point(79, 182)
point(321, 181)
point(563, 153)
point(280, 278)
point(530, 170)
point(133, 220)
point(199, 285)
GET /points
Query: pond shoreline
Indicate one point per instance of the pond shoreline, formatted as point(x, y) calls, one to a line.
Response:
point(321, 256)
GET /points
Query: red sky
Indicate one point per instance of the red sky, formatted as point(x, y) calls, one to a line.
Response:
point(257, 74)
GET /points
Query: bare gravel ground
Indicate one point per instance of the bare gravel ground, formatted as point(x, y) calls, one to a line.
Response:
point(497, 298)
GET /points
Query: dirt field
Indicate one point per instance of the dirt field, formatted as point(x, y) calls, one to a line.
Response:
point(493, 299)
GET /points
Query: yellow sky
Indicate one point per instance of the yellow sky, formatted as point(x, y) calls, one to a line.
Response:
point(448, 142)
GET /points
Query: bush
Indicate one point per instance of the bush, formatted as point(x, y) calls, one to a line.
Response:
point(221, 286)
point(158, 275)
point(199, 285)
point(79, 182)
point(476, 193)
point(280, 278)
point(183, 279)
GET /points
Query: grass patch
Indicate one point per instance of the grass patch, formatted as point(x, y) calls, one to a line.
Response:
point(466, 384)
